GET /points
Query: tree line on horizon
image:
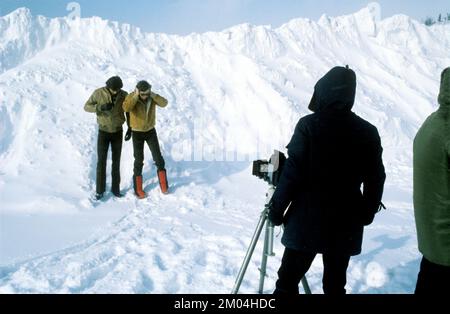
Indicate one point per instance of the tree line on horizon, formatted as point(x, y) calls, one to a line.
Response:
point(441, 19)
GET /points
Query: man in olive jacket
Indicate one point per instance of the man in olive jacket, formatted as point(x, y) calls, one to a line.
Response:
point(332, 153)
point(141, 104)
point(432, 195)
point(107, 102)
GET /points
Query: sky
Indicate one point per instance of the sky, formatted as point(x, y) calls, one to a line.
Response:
point(186, 16)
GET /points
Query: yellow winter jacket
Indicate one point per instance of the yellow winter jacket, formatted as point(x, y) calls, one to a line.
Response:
point(108, 121)
point(143, 114)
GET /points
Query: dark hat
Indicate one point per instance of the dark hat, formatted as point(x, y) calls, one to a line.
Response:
point(114, 83)
point(143, 86)
point(336, 90)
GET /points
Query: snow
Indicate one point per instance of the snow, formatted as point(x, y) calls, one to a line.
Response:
point(234, 96)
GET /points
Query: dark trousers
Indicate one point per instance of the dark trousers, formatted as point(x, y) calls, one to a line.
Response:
point(295, 264)
point(151, 138)
point(433, 278)
point(104, 140)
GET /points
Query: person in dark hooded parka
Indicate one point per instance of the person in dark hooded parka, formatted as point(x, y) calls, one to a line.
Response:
point(332, 154)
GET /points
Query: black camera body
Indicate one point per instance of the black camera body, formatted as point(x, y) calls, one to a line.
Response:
point(270, 170)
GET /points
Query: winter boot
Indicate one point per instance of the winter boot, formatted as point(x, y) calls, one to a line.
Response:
point(117, 193)
point(137, 180)
point(163, 184)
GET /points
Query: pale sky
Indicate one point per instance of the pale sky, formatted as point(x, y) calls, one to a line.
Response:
point(187, 16)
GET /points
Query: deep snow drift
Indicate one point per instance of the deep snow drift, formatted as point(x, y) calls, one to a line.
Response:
point(233, 97)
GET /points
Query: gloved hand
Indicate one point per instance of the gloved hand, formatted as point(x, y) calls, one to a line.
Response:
point(106, 107)
point(128, 135)
point(368, 215)
point(275, 218)
point(368, 218)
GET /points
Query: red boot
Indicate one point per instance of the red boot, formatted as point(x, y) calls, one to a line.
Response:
point(163, 184)
point(138, 187)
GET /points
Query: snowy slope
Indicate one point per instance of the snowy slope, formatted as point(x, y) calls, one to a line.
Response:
point(233, 97)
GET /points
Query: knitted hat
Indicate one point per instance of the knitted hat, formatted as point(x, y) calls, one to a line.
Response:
point(114, 83)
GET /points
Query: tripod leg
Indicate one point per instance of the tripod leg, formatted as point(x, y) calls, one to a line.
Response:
point(267, 251)
point(249, 254)
point(268, 245)
point(306, 286)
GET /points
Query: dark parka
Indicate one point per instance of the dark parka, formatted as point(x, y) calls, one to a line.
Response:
point(331, 154)
point(432, 180)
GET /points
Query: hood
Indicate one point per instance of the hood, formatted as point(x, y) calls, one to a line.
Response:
point(444, 94)
point(335, 91)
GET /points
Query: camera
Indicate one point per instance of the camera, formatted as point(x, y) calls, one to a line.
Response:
point(270, 170)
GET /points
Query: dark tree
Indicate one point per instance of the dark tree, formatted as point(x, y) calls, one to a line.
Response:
point(429, 21)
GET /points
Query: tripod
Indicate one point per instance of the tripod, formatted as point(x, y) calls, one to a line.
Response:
point(267, 251)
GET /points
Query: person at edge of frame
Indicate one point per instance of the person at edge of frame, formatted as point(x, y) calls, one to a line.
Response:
point(432, 196)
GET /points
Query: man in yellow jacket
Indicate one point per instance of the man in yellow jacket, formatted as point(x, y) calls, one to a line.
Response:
point(107, 102)
point(141, 104)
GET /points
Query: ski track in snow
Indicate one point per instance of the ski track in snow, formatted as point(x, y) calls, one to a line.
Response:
point(160, 247)
point(156, 248)
point(194, 240)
